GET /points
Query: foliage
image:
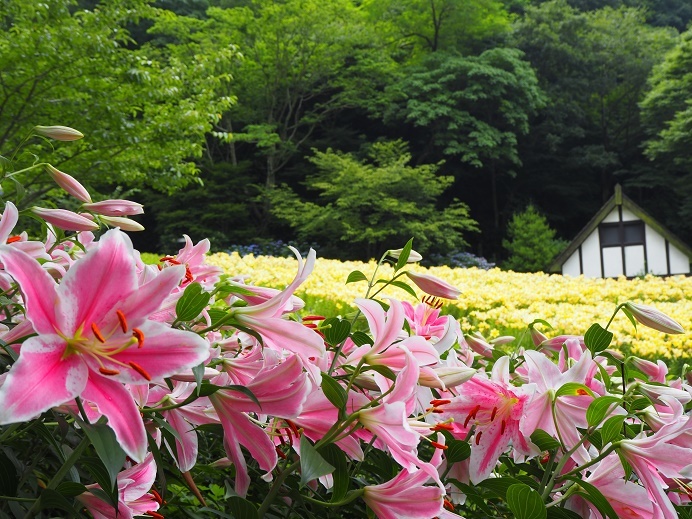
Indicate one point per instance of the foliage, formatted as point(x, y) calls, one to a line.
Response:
point(530, 242)
point(145, 110)
point(372, 204)
point(667, 115)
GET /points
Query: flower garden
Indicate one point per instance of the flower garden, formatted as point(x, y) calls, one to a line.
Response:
point(242, 387)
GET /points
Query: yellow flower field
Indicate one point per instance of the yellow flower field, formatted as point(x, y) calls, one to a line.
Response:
point(496, 302)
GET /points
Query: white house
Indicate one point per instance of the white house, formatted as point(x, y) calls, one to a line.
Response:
point(622, 239)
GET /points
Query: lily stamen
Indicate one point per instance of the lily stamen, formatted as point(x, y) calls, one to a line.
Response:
point(478, 437)
point(97, 333)
point(123, 321)
point(139, 369)
point(106, 371)
point(139, 335)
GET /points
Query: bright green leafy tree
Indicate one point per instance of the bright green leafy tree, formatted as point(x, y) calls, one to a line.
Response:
point(367, 206)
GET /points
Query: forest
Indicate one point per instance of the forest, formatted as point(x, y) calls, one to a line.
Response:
point(353, 125)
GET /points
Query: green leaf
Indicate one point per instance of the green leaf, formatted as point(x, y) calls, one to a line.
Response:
point(595, 439)
point(525, 502)
point(499, 486)
point(572, 389)
point(597, 338)
point(99, 473)
point(639, 404)
point(457, 450)
point(594, 495)
point(312, 464)
point(198, 372)
point(241, 508)
point(555, 512)
point(334, 391)
point(192, 302)
point(216, 314)
point(71, 488)
point(544, 441)
point(598, 409)
point(52, 499)
point(336, 457)
point(629, 315)
point(403, 257)
point(361, 338)
point(384, 371)
point(404, 286)
point(540, 321)
point(107, 447)
point(9, 479)
point(612, 429)
point(335, 330)
point(355, 276)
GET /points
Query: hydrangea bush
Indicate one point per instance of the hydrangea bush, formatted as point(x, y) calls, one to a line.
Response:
point(139, 390)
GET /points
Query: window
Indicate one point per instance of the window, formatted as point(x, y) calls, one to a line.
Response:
point(621, 233)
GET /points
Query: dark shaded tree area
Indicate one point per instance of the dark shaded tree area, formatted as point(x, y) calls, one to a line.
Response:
point(501, 103)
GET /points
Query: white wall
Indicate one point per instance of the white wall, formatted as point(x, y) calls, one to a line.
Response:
point(571, 266)
point(656, 252)
point(612, 262)
point(591, 256)
point(679, 263)
point(634, 260)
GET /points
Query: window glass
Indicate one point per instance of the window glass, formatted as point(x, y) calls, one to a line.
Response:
point(634, 232)
point(609, 235)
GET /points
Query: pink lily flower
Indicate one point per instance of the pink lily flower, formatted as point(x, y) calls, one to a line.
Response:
point(494, 407)
point(425, 319)
point(281, 391)
point(8, 221)
point(93, 337)
point(70, 184)
point(133, 497)
point(657, 455)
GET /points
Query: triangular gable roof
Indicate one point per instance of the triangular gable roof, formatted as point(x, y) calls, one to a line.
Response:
point(618, 198)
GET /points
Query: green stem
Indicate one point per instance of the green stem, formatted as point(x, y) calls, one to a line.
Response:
point(352, 496)
point(12, 498)
point(617, 309)
point(274, 490)
point(60, 474)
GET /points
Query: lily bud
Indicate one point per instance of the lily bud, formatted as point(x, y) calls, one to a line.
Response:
point(653, 318)
point(115, 208)
point(59, 133)
point(537, 337)
point(413, 256)
point(69, 184)
point(434, 286)
point(479, 345)
point(503, 339)
point(125, 224)
point(64, 219)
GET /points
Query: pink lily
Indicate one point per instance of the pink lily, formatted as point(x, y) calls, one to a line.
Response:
point(281, 391)
point(657, 455)
point(70, 184)
point(133, 497)
point(494, 407)
point(93, 336)
point(122, 223)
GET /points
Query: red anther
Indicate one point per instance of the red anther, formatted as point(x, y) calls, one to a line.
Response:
point(310, 325)
point(492, 416)
point(155, 515)
point(582, 391)
point(502, 427)
point(139, 369)
point(438, 401)
point(312, 359)
point(293, 427)
point(439, 446)
point(478, 437)
point(97, 332)
point(106, 371)
point(13, 239)
point(170, 259)
point(123, 321)
point(139, 335)
point(471, 415)
point(281, 439)
point(314, 318)
point(157, 496)
point(443, 427)
point(159, 267)
point(280, 453)
point(188, 274)
point(448, 504)
point(437, 411)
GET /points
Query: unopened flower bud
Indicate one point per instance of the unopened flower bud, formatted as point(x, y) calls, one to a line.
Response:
point(413, 256)
point(64, 219)
point(537, 337)
point(69, 184)
point(479, 345)
point(434, 286)
point(59, 133)
point(503, 339)
point(654, 318)
point(115, 208)
point(125, 224)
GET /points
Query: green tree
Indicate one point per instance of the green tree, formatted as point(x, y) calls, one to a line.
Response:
point(144, 110)
point(366, 206)
point(667, 116)
point(473, 108)
point(530, 242)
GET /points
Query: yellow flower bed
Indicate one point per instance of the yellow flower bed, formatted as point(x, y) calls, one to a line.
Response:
point(496, 302)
